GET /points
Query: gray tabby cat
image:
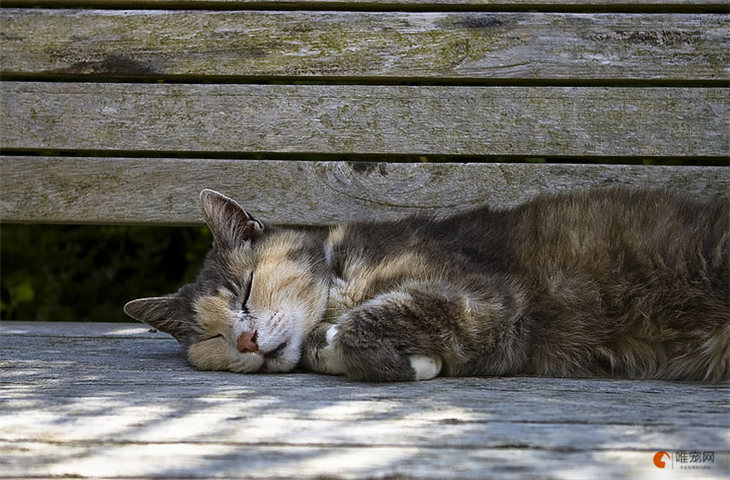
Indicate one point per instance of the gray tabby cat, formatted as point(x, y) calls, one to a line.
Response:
point(609, 283)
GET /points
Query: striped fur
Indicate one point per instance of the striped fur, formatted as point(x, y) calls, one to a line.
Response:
point(609, 283)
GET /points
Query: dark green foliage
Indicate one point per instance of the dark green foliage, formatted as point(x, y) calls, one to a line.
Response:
point(86, 273)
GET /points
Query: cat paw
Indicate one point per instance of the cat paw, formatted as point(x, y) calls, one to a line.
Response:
point(330, 336)
point(425, 366)
point(330, 361)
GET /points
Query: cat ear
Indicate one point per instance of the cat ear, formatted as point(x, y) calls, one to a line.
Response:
point(230, 223)
point(162, 313)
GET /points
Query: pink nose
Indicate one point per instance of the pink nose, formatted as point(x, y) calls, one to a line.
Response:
point(247, 342)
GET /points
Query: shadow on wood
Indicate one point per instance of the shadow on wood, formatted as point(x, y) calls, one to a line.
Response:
point(115, 400)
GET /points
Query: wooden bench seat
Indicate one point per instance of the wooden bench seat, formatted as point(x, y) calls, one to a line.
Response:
point(116, 401)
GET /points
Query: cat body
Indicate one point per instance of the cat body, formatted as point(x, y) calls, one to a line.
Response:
point(609, 283)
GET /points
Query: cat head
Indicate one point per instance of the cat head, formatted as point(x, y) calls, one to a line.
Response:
point(259, 292)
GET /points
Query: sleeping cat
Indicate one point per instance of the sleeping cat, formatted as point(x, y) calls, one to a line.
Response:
point(609, 283)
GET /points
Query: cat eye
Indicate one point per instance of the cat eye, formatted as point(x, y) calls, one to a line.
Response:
point(248, 293)
point(220, 335)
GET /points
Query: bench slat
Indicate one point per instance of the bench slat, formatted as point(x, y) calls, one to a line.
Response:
point(372, 4)
point(164, 191)
point(522, 46)
point(341, 119)
point(111, 405)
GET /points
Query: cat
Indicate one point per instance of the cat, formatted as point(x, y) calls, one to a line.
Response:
point(597, 283)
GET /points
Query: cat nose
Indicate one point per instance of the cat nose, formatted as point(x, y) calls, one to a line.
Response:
point(247, 342)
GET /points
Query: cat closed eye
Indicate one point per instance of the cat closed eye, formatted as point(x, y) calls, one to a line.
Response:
point(247, 294)
point(213, 337)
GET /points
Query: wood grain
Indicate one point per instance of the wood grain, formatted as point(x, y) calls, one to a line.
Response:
point(165, 191)
point(495, 46)
point(530, 121)
point(388, 4)
point(96, 400)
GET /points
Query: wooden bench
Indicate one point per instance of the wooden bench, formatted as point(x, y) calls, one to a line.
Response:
point(313, 112)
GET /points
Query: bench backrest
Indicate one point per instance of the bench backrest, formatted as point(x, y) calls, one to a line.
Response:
point(312, 112)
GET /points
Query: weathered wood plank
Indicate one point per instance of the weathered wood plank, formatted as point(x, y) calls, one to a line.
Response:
point(164, 191)
point(181, 460)
point(374, 4)
point(74, 329)
point(472, 45)
point(390, 425)
point(531, 121)
point(115, 405)
point(158, 364)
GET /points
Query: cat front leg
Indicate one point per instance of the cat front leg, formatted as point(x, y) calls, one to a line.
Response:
point(365, 345)
point(400, 335)
point(326, 358)
point(422, 330)
point(425, 329)
point(319, 353)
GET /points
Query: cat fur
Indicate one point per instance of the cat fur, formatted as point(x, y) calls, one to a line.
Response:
point(596, 283)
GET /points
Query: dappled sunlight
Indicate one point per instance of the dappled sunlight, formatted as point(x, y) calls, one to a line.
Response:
point(73, 329)
point(354, 410)
point(360, 461)
point(74, 423)
point(136, 460)
point(117, 405)
point(131, 331)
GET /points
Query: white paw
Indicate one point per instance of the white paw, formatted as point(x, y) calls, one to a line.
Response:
point(425, 366)
point(329, 359)
point(330, 335)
